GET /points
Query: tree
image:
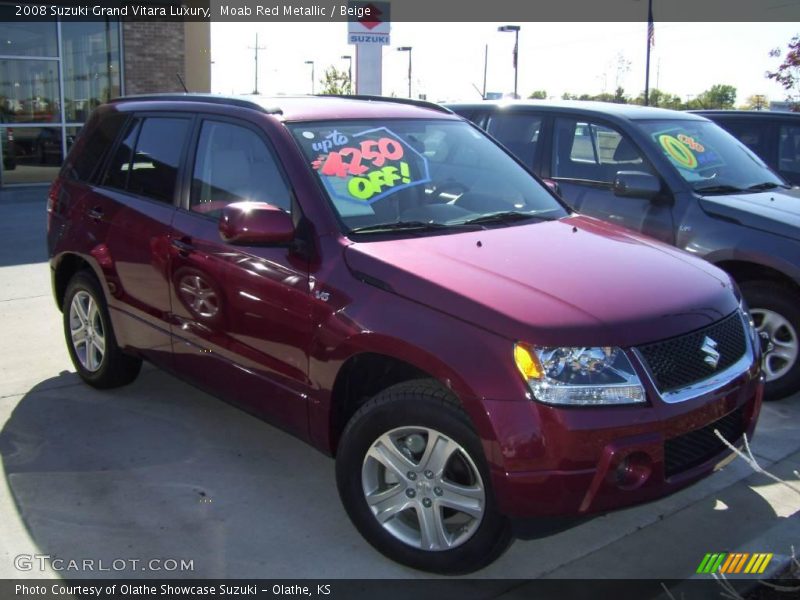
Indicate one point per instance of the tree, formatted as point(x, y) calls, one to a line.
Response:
point(718, 96)
point(788, 72)
point(755, 102)
point(538, 95)
point(335, 82)
point(660, 99)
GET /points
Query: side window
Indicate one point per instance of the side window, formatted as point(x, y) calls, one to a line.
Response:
point(117, 174)
point(99, 141)
point(752, 135)
point(517, 132)
point(233, 164)
point(789, 148)
point(593, 152)
point(154, 169)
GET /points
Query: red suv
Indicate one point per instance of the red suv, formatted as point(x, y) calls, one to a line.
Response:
point(384, 281)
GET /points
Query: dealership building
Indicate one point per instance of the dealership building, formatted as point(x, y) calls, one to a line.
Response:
point(53, 73)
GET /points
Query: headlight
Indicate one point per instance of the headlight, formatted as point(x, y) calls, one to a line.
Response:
point(579, 376)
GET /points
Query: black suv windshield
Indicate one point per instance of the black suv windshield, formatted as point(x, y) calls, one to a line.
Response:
point(413, 172)
point(710, 159)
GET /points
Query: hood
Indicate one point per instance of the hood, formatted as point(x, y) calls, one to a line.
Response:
point(775, 211)
point(576, 281)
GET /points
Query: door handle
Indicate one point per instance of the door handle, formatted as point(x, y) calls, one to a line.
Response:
point(96, 213)
point(183, 246)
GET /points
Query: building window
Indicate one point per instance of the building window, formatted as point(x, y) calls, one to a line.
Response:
point(90, 60)
point(47, 90)
point(28, 39)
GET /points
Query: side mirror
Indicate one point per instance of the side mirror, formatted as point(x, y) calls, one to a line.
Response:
point(636, 184)
point(253, 223)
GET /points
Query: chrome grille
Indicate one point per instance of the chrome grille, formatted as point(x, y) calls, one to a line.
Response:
point(681, 361)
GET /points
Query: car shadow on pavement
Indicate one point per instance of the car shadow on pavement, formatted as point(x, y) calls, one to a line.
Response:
point(161, 471)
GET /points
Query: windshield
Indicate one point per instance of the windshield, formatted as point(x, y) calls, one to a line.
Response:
point(434, 175)
point(709, 158)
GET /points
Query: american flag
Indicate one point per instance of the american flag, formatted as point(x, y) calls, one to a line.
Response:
point(651, 30)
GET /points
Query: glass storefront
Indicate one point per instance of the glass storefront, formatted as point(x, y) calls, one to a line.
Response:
point(51, 77)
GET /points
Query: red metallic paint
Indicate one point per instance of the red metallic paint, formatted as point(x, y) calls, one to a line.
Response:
point(289, 320)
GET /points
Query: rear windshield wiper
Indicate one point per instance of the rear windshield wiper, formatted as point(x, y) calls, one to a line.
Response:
point(505, 217)
point(767, 185)
point(718, 189)
point(407, 226)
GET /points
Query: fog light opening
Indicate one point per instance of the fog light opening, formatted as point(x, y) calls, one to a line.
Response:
point(633, 471)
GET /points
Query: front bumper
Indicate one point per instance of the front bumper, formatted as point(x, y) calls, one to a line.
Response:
point(579, 461)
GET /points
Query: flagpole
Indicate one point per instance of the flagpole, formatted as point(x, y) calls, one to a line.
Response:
point(650, 39)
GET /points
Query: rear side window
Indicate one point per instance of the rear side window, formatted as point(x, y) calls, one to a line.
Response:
point(789, 149)
point(147, 159)
point(753, 135)
point(100, 140)
point(593, 152)
point(117, 174)
point(517, 132)
point(154, 169)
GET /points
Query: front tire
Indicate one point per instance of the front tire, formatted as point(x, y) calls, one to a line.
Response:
point(90, 338)
point(776, 311)
point(413, 479)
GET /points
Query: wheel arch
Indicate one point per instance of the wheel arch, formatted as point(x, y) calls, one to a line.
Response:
point(65, 268)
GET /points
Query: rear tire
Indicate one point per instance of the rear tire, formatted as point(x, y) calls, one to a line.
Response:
point(90, 338)
point(413, 479)
point(776, 310)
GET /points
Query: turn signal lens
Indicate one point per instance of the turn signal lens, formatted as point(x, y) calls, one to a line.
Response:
point(527, 363)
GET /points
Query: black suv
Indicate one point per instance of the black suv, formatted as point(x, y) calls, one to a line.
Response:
point(774, 136)
point(681, 179)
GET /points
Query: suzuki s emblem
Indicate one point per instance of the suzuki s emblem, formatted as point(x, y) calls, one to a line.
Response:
point(709, 347)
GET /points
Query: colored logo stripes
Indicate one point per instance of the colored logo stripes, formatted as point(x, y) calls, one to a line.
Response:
point(736, 562)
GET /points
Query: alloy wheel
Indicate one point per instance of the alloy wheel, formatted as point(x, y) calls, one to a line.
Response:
point(86, 331)
point(782, 351)
point(423, 488)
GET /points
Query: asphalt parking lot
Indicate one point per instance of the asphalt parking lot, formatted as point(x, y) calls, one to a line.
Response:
point(160, 470)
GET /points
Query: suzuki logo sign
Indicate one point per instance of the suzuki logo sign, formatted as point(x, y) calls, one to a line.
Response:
point(709, 348)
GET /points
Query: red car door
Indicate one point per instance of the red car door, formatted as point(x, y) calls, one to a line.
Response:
point(136, 199)
point(240, 313)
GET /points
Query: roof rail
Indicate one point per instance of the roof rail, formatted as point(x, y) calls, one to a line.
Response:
point(204, 98)
point(409, 101)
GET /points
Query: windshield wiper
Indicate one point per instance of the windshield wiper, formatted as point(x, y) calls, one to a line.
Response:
point(505, 217)
point(767, 185)
point(718, 189)
point(406, 226)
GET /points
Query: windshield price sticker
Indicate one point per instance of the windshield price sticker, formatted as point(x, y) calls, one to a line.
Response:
point(686, 151)
point(372, 168)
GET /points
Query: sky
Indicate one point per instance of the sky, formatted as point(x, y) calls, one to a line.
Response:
point(448, 58)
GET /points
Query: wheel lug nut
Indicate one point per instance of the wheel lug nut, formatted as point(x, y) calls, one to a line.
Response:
point(410, 493)
point(411, 475)
point(426, 502)
point(429, 474)
point(438, 491)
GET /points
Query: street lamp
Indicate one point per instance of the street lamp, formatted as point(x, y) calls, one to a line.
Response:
point(311, 62)
point(407, 49)
point(349, 71)
point(515, 29)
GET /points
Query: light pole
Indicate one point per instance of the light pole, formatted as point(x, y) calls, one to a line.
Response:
point(311, 62)
point(515, 29)
point(407, 49)
point(349, 72)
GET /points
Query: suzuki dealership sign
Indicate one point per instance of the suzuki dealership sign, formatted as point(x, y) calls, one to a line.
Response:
point(369, 24)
